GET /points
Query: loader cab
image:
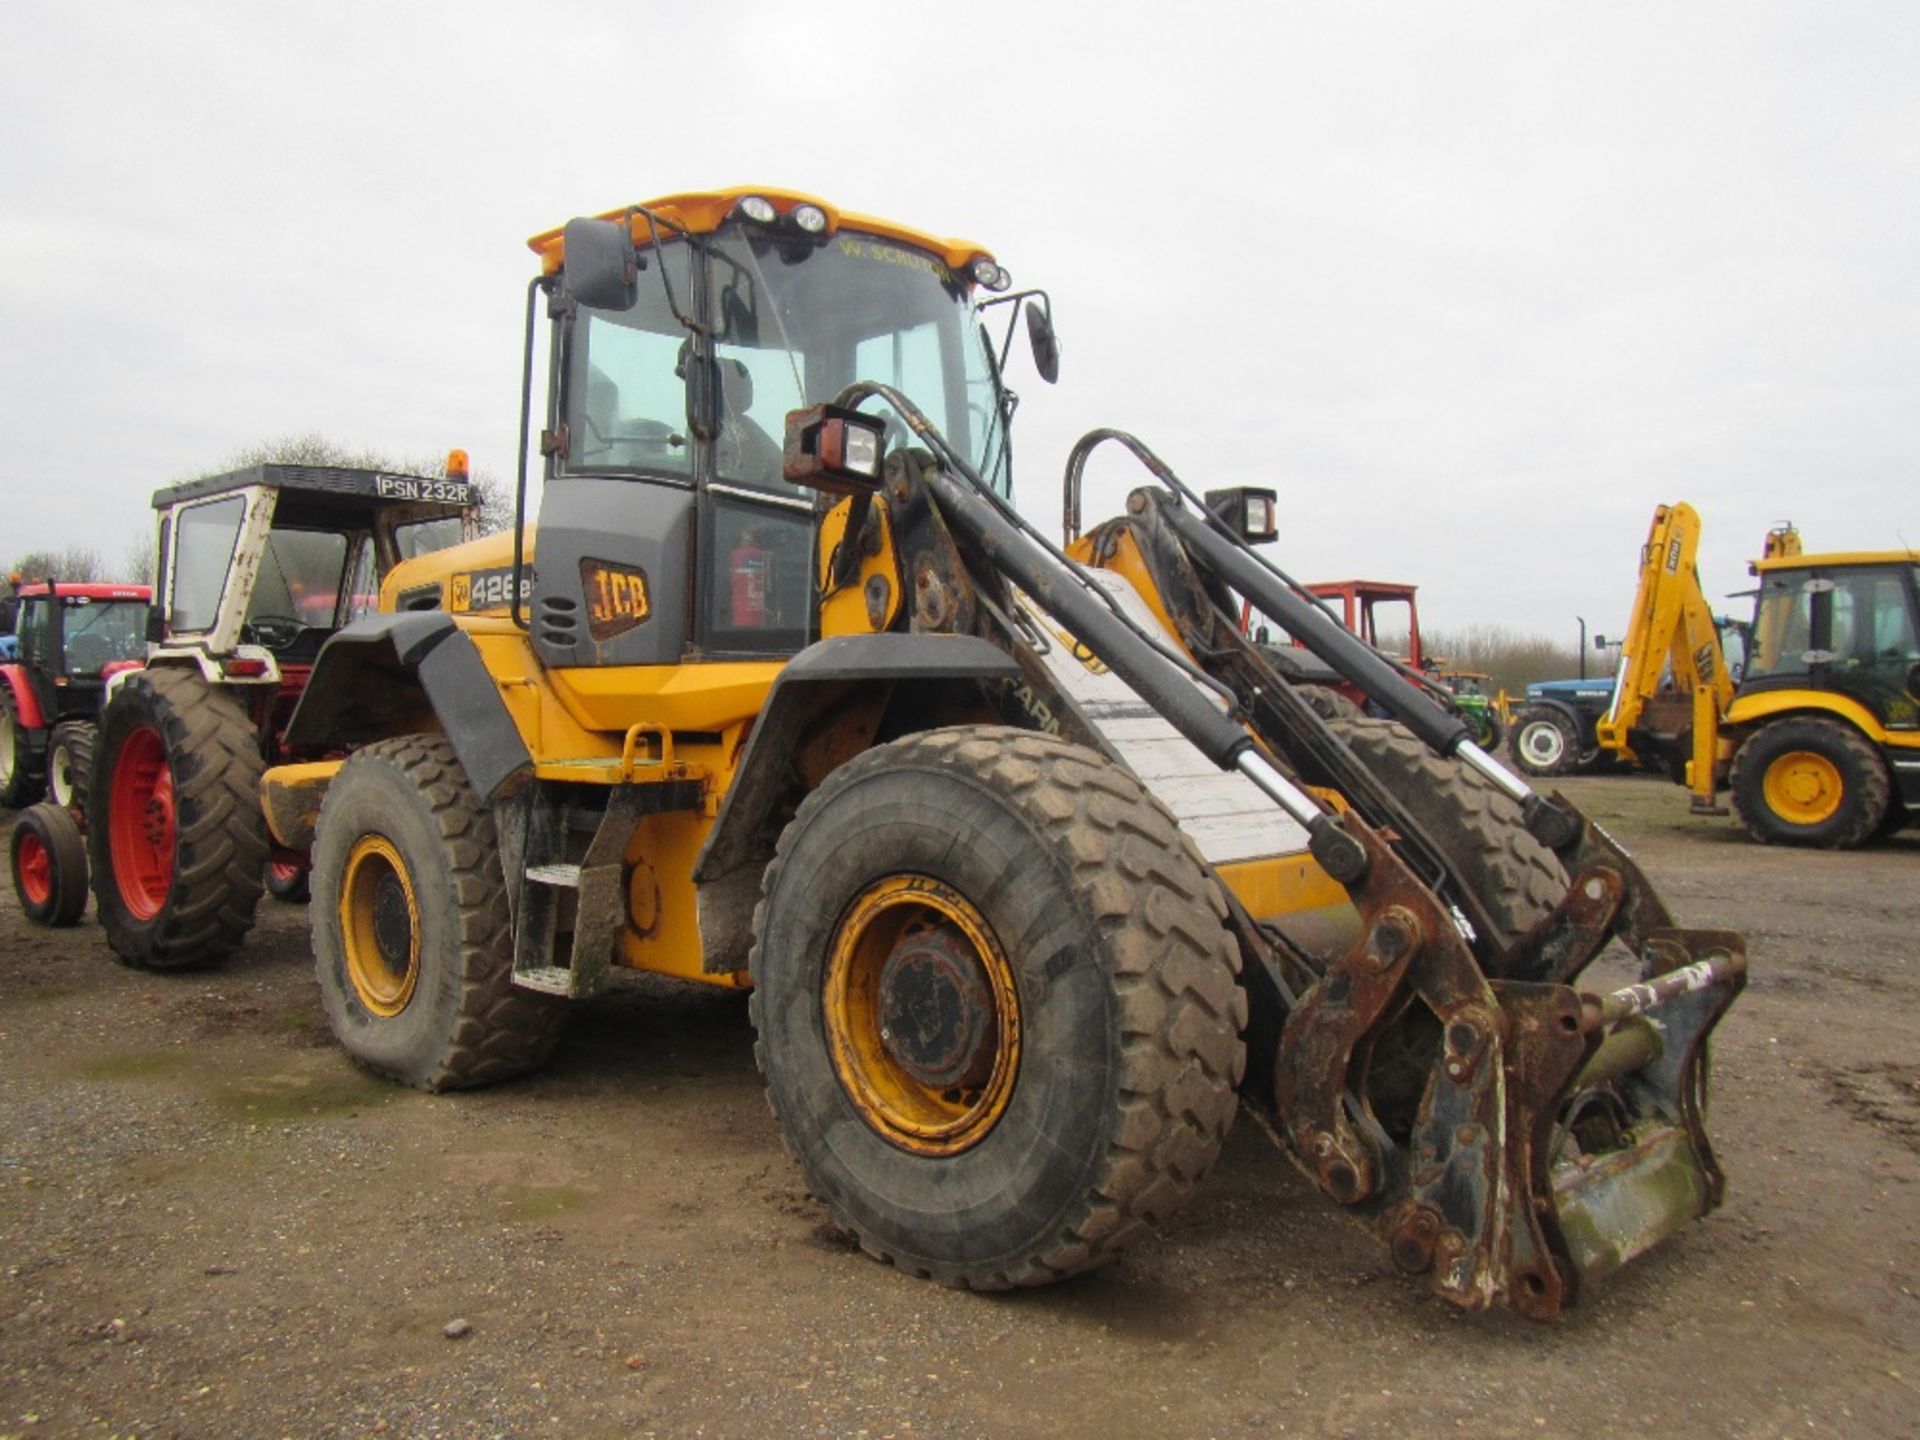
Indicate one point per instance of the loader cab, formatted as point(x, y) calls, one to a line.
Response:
point(665, 529)
point(1847, 624)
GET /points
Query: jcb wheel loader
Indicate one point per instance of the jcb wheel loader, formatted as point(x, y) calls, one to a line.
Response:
point(1035, 866)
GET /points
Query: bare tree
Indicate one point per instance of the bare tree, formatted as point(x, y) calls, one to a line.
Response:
point(76, 563)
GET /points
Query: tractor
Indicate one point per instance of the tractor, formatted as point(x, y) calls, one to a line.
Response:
point(68, 640)
point(256, 569)
point(1036, 869)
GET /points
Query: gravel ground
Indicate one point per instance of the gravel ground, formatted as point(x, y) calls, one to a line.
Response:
point(211, 1224)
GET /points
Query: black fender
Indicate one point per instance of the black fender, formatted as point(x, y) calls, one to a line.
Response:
point(402, 673)
point(809, 684)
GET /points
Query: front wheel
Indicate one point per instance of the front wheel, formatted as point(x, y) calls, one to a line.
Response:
point(49, 863)
point(287, 881)
point(1543, 741)
point(1808, 780)
point(69, 763)
point(996, 1005)
point(411, 939)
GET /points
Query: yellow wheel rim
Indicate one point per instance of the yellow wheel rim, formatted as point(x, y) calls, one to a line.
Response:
point(1803, 787)
point(380, 925)
point(922, 1015)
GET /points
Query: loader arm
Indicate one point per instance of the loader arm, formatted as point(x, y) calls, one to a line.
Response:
point(1507, 1133)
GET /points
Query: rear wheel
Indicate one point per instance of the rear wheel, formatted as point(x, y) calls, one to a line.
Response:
point(1544, 741)
point(412, 943)
point(20, 782)
point(1808, 780)
point(49, 866)
point(177, 836)
point(996, 1005)
point(69, 763)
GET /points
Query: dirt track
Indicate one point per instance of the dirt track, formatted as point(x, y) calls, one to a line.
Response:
point(211, 1224)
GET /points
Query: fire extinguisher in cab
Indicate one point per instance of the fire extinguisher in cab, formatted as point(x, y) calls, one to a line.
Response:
point(750, 565)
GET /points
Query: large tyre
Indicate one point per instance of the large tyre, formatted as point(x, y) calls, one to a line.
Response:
point(1517, 877)
point(1808, 780)
point(177, 836)
point(1544, 741)
point(996, 1006)
point(69, 763)
point(49, 862)
point(411, 938)
point(20, 773)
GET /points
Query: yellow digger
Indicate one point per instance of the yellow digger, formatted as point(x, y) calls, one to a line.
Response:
point(1035, 867)
point(1817, 738)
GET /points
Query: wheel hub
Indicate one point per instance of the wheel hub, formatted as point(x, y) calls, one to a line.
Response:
point(156, 820)
point(392, 922)
point(936, 1010)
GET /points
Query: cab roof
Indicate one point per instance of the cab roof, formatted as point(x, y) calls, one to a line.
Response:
point(703, 211)
point(1836, 559)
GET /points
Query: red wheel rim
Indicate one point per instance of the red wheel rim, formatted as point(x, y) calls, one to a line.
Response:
point(35, 869)
point(140, 823)
point(284, 871)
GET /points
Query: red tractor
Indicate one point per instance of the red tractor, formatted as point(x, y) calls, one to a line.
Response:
point(67, 642)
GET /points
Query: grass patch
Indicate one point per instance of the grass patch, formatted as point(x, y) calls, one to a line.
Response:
point(291, 1099)
point(136, 1065)
point(540, 1202)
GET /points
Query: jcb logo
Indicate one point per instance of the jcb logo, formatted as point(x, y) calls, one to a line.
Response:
point(616, 597)
point(1673, 555)
point(462, 593)
point(1081, 653)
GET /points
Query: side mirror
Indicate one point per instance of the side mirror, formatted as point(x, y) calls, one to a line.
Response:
point(599, 268)
point(1599, 642)
point(1046, 345)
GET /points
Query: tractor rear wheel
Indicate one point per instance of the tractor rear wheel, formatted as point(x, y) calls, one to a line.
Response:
point(1544, 741)
point(177, 836)
point(1808, 780)
point(20, 776)
point(69, 763)
point(995, 1005)
point(412, 943)
point(49, 865)
point(1517, 877)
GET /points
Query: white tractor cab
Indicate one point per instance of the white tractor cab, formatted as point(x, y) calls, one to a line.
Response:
point(257, 567)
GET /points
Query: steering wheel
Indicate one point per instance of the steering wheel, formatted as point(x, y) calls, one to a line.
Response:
point(276, 632)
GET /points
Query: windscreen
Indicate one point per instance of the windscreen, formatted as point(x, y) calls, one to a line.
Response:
point(99, 632)
point(795, 323)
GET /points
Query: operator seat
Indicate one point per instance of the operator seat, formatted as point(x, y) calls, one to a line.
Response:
point(743, 451)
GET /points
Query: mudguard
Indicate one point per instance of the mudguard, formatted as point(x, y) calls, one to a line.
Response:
point(395, 674)
point(808, 684)
point(24, 703)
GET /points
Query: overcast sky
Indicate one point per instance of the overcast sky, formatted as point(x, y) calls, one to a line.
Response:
point(1472, 286)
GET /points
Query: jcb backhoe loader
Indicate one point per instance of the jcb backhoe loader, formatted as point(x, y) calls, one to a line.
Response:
point(1818, 737)
point(1034, 865)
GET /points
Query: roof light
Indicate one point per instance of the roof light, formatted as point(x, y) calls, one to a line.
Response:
point(456, 464)
point(986, 273)
point(758, 209)
point(810, 218)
